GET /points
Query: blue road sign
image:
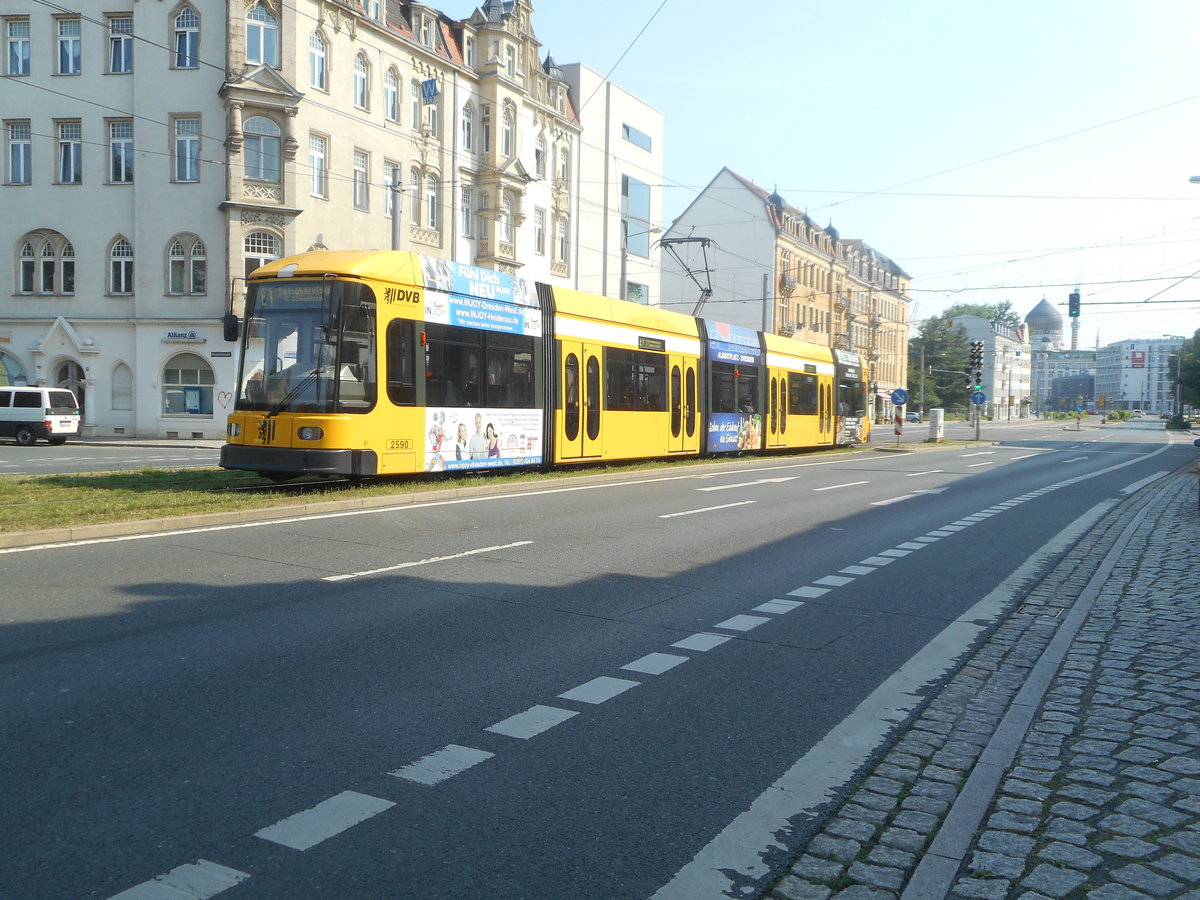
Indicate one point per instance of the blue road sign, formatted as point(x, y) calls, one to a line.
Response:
point(978, 398)
point(899, 396)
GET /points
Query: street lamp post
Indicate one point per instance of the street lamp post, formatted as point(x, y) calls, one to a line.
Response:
point(625, 236)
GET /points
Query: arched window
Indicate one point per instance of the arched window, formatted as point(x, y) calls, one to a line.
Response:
point(262, 37)
point(122, 387)
point(11, 371)
point(468, 128)
point(508, 133)
point(431, 202)
point(187, 39)
point(45, 264)
point(259, 248)
point(316, 62)
point(120, 267)
point(561, 243)
point(187, 265)
point(187, 383)
point(362, 75)
point(261, 149)
point(391, 95)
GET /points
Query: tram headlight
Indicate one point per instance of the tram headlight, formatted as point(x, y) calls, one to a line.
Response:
point(234, 429)
point(310, 433)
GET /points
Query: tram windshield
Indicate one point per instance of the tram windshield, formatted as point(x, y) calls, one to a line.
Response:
point(308, 346)
point(852, 399)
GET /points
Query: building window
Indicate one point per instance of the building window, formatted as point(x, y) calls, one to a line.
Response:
point(414, 207)
point(391, 172)
point(391, 95)
point(504, 232)
point(120, 268)
point(431, 202)
point(467, 211)
point(120, 152)
point(564, 165)
point(361, 80)
point(259, 248)
point(508, 133)
point(414, 96)
point(468, 128)
point(26, 266)
point(485, 131)
point(482, 213)
point(469, 51)
point(510, 60)
point(70, 153)
point(317, 166)
point(20, 153)
point(122, 387)
point(120, 45)
point(316, 62)
point(69, 47)
point(187, 386)
point(637, 293)
point(539, 232)
point(187, 149)
point(187, 40)
point(18, 47)
point(360, 180)
point(635, 137)
point(46, 265)
point(562, 244)
point(635, 215)
point(539, 157)
point(49, 268)
point(187, 267)
point(262, 37)
point(372, 9)
point(261, 149)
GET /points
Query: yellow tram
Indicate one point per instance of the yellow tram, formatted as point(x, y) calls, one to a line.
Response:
point(374, 363)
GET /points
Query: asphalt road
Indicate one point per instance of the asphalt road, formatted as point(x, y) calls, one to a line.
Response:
point(602, 690)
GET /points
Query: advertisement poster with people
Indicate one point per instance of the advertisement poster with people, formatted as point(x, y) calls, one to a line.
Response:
point(482, 438)
point(736, 423)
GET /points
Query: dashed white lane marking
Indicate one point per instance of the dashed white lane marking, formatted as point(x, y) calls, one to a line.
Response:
point(907, 545)
point(194, 881)
point(833, 580)
point(742, 623)
point(701, 642)
point(930, 472)
point(599, 689)
point(328, 818)
point(533, 721)
point(810, 592)
point(896, 553)
point(977, 453)
point(1074, 459)
point(778, 606)
point(877, 561)
point(725, 487)
point(692, 512)
point(442, 764)
point(977, 465)
point(425, 562)
point(655, 663)
point(856, 570)
point(834, 487)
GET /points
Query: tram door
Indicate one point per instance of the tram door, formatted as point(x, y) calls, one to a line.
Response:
point(683, 398)
point(580, 379)
point(825, 412)
point(777, 410)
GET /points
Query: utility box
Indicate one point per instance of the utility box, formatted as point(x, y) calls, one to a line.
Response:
point(937, 424)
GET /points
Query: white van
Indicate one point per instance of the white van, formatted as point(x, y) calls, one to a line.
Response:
point(29, 413)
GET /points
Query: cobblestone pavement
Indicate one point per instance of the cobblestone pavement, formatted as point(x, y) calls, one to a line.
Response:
point(1063, 760)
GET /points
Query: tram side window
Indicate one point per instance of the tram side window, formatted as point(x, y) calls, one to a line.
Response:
point(356, 357)
point(635, 380)
point(851, 399)
point(734, 388)
point(453, 365)
point(509, 360)
point(401, 358)
point(802, 394)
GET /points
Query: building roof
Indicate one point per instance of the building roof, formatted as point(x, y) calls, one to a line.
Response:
point(1044, 317)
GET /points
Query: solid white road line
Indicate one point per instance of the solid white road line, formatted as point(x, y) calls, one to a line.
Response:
point(442, 764)
point(195, 881)
point(1138, 485)
point(533, 721)
point(328, 818)
point(425, 562)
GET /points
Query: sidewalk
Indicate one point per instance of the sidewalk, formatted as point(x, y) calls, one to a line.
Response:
point(1063, 759)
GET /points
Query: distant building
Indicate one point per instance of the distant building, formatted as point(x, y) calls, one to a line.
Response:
point(1051, 361)
point(1137, 374)
point(1070, 391)
point(1007, 366)
point(770, 267)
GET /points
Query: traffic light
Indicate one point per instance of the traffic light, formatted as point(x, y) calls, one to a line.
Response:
point(976, 368)
point(1073, 304)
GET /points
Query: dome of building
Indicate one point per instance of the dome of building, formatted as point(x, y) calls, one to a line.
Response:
point(1044, 317)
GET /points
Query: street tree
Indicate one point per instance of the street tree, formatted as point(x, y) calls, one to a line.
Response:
point(946, 355)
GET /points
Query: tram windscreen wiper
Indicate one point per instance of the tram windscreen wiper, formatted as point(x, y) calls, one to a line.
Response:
point(295, 391)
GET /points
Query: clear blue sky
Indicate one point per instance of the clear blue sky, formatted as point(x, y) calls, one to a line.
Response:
point(996, 149)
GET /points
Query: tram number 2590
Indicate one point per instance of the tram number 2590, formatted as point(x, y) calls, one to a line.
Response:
point(399, 444)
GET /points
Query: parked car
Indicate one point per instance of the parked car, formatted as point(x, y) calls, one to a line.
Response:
point(912, 417)
point(30, 413)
